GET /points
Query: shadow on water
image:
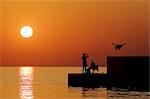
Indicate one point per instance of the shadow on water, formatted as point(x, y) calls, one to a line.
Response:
point(103, 93)
point(124, 94)
point(96, 93)
point(90, 92)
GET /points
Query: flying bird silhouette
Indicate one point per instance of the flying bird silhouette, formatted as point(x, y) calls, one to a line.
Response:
point(119, 46)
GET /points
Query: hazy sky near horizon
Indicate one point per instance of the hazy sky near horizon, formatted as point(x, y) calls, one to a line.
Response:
point(63, 30)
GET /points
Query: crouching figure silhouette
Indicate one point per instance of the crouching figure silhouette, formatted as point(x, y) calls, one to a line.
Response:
point(93, 66)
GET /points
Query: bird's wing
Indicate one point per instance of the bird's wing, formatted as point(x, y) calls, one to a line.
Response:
point(113, 43)
point(124, 44)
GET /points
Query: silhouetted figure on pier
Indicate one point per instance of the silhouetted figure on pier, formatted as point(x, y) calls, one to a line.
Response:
point(118, 46)
point(93, 66)
point(84, 61)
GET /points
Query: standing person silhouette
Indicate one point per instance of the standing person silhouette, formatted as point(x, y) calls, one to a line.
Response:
point(84, 61)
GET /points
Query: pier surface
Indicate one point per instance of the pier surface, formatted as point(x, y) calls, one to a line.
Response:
point(87, 80)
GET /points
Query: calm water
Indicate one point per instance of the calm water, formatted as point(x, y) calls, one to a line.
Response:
point(51, 83)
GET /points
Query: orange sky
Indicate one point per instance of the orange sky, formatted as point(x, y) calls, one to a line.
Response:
point(63, 30)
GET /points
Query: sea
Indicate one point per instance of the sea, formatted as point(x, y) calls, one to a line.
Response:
point(51, 82)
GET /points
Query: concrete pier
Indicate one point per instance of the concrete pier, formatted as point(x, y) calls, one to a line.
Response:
point(87, 80)
point(128, 72)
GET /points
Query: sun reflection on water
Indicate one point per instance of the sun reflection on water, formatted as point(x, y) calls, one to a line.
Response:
point(26, 78)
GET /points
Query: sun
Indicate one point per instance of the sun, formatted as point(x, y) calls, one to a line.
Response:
point(26, 31)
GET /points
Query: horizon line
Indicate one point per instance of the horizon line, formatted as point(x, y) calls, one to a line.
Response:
point(48, 65)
